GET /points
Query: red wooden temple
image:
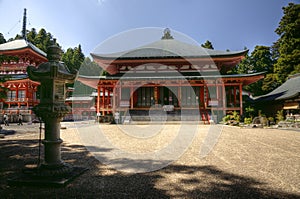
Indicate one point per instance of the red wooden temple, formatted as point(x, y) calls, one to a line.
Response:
point(21, 90)
point(173, 74)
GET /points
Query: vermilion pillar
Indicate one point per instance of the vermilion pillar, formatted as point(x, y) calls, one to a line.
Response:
point(131, 97)
point(98, 99)
point(103, 101)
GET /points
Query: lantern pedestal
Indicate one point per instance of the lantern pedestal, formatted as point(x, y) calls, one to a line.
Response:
point(41, 176)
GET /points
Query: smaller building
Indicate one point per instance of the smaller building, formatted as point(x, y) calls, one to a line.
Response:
point(83, 107)
point(286, 97)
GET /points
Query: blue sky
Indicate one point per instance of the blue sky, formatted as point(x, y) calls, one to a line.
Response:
point(228, 24)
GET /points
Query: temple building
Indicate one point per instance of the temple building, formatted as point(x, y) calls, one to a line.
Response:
point(170, 75)
point(22, 92)
point(286, 97)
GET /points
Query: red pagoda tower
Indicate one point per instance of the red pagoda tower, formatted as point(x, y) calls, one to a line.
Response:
point(21, 94)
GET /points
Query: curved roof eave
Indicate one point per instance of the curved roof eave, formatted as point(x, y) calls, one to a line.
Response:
point(169, 48)
point(288, 89)
point(21, 44)
point(170, 76)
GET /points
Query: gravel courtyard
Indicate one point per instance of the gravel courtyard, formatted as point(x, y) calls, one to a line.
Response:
point(244, 163)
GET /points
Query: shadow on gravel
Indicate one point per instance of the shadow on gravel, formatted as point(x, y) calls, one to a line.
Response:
point(7, 132)
point(101, 181)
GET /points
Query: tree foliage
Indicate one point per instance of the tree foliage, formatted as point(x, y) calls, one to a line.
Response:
point(90, 68)
point(287, 47)
point(73, 57)
point(42, 39)
point(2, 39)
point(260, 60)
point(278, 61)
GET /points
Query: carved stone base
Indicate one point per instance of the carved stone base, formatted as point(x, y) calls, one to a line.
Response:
point(49, 177)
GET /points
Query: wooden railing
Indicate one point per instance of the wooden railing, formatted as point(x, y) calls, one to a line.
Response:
point(18, 100)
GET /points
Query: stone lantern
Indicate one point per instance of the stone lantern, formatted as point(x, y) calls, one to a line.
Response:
point(53, 76)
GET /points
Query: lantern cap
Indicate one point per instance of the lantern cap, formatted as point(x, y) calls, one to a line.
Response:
point(54, 52)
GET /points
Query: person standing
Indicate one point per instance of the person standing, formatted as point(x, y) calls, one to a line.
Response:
point(5, 119)
point(20, 119)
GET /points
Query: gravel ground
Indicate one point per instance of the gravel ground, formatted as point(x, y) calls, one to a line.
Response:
point(244, 163)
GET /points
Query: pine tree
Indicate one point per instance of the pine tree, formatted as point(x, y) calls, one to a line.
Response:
point(261, 59)
point(31, 35)
point(78, 57)
point(287, 47)
point(67, 57)
point(40, 39)
point(2, 39)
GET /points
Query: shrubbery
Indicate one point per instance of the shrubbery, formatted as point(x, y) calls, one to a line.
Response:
point(279, 116)
point(232, 119)
point(247, 120)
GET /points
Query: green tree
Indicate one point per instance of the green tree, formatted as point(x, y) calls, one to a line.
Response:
point(270, 82)
point(41, 40)
point(207, 45)
point(78, 57)
point(2, 39)
point(67, 57)
point(287, 47)
point(90, 68)
point(18, 37)
point(73, 58)
point(261, 59)
point(31, 35)
point(244, 66)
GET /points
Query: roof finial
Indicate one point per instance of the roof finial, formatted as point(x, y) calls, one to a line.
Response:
point(24, 25)
point(167, 34)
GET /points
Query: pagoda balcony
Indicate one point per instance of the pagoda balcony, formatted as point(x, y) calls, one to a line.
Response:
point(22, 100)
point(15, 66)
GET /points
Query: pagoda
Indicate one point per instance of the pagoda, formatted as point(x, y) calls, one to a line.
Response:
point(22, 92)
point(171, 75)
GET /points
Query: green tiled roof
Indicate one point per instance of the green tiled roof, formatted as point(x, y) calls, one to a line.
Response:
point(168, 48)
point(289, 89)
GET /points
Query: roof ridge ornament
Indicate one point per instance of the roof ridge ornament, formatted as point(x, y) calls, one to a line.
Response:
point(167, 34)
